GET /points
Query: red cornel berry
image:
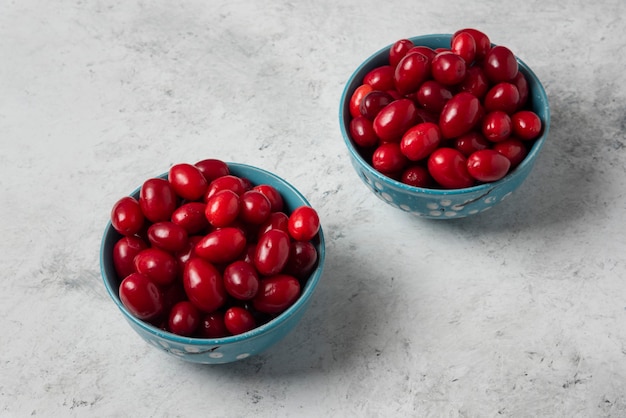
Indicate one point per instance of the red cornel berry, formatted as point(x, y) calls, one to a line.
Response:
point(422, 116)
point(207, 254)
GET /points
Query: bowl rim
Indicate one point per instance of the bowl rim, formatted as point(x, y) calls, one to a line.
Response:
point(527, 161)
point(274, 323)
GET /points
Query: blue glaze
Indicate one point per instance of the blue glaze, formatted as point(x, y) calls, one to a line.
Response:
point(441, 203)
point(233, 348)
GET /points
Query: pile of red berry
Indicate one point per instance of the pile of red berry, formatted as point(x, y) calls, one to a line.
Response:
point(445, 118)
point(205, 253)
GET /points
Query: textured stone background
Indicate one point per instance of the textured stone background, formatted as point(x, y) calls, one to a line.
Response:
point(520, 311)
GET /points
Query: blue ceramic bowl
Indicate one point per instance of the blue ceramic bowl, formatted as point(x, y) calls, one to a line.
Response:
point(441, 203)
point(232, 348)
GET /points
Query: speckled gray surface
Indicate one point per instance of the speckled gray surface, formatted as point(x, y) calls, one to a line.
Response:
point(518, 312)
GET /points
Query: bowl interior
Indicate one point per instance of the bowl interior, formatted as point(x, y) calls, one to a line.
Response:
point(292, 199)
